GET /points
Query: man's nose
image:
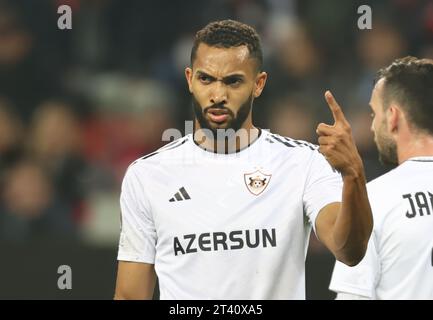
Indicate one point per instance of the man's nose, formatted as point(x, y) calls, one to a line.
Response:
point(219, 93)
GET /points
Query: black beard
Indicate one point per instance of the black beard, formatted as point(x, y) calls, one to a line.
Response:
point(387, 149)
point(388, 155)
point(234, 124)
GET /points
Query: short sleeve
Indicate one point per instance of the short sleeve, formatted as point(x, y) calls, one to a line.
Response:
point(138, 235)
point(323, 186)
point(361, 279)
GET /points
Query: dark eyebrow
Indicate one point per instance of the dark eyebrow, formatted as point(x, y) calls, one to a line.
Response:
point(229, 77)
point(233, 76)
point(201, 73)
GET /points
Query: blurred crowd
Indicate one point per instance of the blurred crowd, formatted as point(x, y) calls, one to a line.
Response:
point(77, 106)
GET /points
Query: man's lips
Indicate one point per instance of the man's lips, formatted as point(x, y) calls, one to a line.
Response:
point(217, 115)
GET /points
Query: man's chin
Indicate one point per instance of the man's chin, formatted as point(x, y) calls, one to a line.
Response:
point(387, 159)
point(219, 131)
point(388, 163)
point(210, 125)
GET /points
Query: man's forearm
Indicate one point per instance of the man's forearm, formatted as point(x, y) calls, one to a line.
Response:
point(354, 222)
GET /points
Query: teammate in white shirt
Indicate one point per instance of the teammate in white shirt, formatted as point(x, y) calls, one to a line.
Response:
point(230, 218)
point(399, 259)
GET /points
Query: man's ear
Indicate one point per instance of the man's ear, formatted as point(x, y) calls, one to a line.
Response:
point(394, 118)
point(188, 76)
point(260, 83)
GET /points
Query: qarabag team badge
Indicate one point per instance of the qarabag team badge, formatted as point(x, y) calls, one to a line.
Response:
point(256, 181)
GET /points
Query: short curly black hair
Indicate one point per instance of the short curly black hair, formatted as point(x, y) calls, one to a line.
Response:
point(409, 82)
point(227, 34)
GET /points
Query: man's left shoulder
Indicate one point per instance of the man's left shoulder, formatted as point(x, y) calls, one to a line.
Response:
point(291, 145)
point(386, 181)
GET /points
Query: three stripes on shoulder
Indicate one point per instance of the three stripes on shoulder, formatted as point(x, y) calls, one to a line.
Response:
point(180, 196)
point(291, 143)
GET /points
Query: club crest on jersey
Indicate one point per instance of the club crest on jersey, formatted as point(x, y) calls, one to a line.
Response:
point(256, 182)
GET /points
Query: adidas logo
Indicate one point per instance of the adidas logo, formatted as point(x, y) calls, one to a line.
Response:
point(181, 195)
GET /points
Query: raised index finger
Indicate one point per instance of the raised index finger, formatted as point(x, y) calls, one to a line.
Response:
point(337, 113)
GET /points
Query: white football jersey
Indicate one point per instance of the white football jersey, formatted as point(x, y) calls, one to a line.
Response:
point(399, 259)
point(226, 226)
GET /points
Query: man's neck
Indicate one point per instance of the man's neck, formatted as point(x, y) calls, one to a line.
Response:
point(223, 143)
point(418, 146)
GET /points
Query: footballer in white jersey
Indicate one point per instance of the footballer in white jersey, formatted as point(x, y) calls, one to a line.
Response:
point(220, 226)
point(226, 212)
point(399, 259)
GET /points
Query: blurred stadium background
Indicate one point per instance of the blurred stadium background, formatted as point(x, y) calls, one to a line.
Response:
point(77, 106)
